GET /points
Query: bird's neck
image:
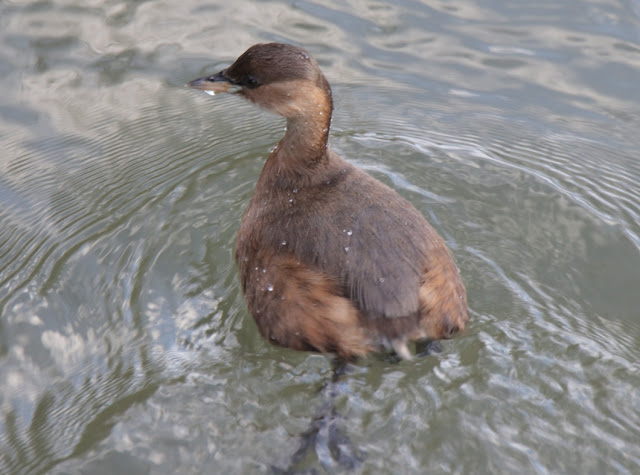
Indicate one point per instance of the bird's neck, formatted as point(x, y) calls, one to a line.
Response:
point(302, 153)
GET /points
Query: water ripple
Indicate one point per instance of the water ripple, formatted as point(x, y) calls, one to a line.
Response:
point(124, 338)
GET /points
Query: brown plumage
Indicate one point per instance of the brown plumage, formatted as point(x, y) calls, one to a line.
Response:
point(331, 259)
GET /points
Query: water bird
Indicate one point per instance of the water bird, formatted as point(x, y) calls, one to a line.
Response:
point(331, 259)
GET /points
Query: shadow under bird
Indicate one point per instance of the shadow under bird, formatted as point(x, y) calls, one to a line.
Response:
point(331, 259)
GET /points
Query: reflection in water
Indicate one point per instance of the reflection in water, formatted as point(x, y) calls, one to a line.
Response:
point(124, 340)
point(50, 439)
point(326, 438)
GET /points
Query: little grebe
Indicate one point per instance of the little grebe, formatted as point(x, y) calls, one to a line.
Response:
point(331, 259)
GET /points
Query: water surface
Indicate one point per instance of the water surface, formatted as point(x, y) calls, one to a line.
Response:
point(125, 343)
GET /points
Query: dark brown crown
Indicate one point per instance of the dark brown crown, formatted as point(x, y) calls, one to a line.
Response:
point(273, 62)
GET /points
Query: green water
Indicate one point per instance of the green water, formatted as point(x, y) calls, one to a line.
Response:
point(125, 344)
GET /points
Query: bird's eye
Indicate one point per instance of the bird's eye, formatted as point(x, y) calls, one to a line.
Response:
point(252, 81)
